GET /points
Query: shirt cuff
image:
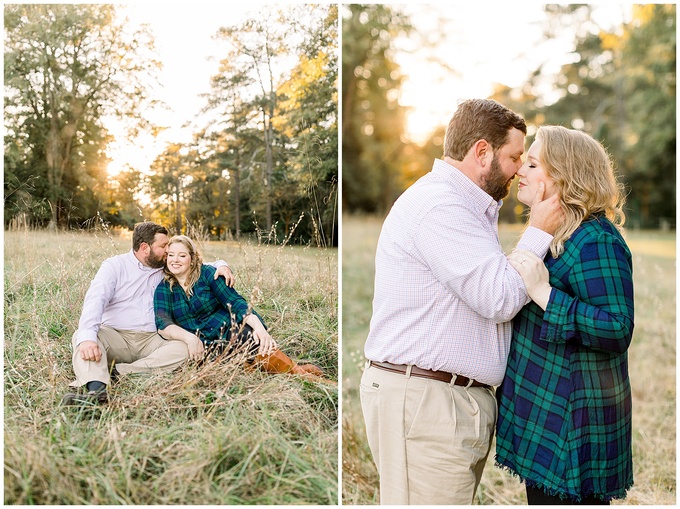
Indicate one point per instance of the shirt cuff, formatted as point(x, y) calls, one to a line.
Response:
point(555, 319)
point(535, 240)
point(86, 336)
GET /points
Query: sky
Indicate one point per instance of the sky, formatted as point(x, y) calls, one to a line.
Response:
point(184, 42)
point(486, 43)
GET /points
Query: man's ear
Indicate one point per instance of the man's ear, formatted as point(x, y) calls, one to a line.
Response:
point(483, 152)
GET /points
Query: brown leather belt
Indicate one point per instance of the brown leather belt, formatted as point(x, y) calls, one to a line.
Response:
point(442, 376)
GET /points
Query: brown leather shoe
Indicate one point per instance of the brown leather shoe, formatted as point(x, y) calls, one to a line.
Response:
point(312, 369)
point(279, 362)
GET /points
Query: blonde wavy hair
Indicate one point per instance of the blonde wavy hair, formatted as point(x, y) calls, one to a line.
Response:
point(195, 267)
point(584, 178)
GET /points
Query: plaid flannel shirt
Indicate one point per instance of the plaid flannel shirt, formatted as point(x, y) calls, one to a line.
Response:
point(208, 312)
point(564, 421)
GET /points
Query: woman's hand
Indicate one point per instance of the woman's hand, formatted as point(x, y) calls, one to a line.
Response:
point(195, 347)
point(267, 344)
point(534, 273)
point(260, 334)
point(194, 344)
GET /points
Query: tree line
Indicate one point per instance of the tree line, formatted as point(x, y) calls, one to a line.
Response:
point(266, 164)
point(619, 87)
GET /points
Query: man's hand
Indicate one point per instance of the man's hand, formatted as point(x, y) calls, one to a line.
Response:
point(89, 351)
point(546, 215)
point(227, 274)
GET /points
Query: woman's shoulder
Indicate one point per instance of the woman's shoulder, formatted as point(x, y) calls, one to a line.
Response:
point(163, 287)
point(207, 270)
point(207, 275)
point(596, 230)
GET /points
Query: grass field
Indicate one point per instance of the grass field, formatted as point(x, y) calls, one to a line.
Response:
point(651, 356)
point(215, 434)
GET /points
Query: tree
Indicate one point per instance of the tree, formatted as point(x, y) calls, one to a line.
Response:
point(255, 45)
point(309, 107)
point(167, 183)
point(373, 121)
point(621, 90)
point(279, 80)
point(67, 67)
point(120, 205)
point(237, 143)
point(648, 57)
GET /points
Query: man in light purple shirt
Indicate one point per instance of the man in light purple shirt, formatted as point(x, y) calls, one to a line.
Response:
point(444, 297)
point(117, 324)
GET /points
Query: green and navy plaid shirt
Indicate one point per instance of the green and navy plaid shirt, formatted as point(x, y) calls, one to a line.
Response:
point(208, 311)
point(564, 408)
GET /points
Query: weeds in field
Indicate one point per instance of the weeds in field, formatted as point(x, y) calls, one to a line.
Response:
point(651, 363)
point(209, 434)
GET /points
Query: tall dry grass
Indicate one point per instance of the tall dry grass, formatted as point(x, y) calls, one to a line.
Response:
point(211, 434)
point(651, 357)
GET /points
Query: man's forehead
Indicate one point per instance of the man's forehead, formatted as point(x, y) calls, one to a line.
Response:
point(515, 143)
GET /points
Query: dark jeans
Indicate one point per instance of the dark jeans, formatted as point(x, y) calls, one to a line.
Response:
point(236, 344)
point(536, 496)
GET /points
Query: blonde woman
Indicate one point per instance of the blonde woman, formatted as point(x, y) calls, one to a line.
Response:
point(206, 314)
point(564, 424)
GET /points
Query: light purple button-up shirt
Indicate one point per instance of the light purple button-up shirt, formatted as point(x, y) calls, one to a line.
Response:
point(121, 296)
point(444, 290)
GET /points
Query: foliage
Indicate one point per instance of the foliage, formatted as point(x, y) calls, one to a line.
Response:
point(372, 120)
point(201, 435)
point(270, 154)
point(66, 67)
point(620, 88)
point(618, 85)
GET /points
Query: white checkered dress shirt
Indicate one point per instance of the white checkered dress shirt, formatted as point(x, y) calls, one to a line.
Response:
point(444, 290)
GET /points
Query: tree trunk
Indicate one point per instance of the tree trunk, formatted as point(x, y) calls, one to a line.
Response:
point(270, 167)
point(236, 191)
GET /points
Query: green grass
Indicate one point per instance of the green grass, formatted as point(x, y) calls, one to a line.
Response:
point(651, 362)
point(215, 434)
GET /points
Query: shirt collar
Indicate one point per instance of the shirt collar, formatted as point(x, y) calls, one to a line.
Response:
point(480, 199)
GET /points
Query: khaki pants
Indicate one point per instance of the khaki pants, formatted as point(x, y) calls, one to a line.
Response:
point(429, 439)
point(132, 351)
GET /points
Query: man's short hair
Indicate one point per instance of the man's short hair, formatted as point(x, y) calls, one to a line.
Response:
point(477, 119)
point(146, 232)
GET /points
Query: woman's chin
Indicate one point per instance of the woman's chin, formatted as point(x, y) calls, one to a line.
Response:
point(521, 199)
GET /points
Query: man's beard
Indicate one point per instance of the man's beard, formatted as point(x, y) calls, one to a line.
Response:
point(497, 184)
point(154, 262)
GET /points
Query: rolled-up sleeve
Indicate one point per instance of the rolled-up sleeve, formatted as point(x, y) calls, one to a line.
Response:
point(598, 310)
point(229, 298)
